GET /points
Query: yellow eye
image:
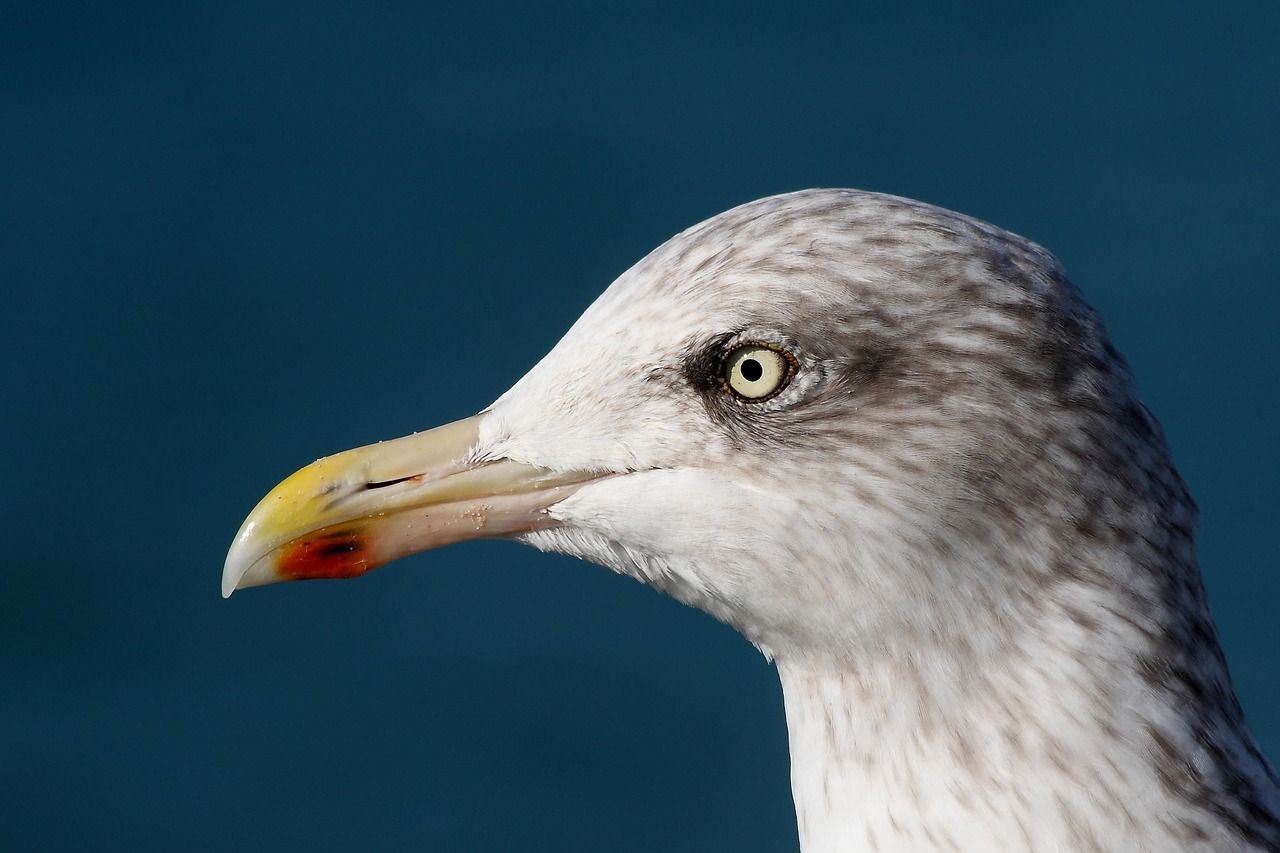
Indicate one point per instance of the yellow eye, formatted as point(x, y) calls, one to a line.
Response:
point(755, 372)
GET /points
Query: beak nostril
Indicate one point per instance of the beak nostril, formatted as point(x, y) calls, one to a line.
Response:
point(382, 484)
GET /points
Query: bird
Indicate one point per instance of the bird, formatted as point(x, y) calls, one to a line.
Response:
point(893, 447)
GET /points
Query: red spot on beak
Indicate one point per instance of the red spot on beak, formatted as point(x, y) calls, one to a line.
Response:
point(336, 554)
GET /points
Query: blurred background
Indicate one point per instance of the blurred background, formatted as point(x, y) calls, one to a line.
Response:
point(235, 237)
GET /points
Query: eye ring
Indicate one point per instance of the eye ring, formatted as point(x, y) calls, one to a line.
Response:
point(755, 372)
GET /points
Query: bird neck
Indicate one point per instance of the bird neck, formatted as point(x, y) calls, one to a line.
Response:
point(1054, 742)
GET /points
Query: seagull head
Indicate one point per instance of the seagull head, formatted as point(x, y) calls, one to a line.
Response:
point(835, 420)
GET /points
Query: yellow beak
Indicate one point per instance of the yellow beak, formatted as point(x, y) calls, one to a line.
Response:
point(343, 515)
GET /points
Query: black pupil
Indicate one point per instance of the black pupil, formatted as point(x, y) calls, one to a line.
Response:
point(751, 370)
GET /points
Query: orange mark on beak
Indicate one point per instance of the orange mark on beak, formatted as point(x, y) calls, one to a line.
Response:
point(334, 554)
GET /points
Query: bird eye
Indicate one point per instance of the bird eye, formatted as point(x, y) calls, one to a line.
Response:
point(756, 372)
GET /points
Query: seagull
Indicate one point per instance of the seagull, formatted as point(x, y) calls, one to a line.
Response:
point(893, 447)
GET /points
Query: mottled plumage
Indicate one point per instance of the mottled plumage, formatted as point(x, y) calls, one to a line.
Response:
point(957, 531)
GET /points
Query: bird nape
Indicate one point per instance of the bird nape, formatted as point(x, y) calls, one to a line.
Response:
point(893, 447)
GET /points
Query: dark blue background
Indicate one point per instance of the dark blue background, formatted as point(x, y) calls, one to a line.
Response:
point(237, 236)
